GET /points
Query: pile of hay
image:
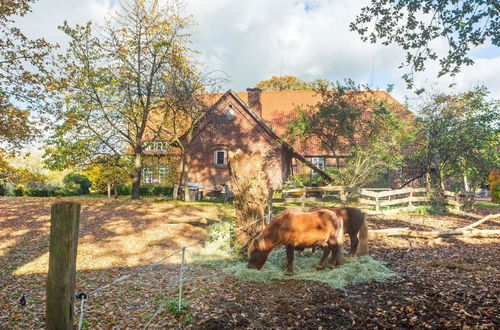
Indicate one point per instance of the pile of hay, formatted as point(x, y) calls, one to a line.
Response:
point(355, 270)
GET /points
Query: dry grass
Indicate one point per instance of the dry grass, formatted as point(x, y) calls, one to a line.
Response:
point(116, 236)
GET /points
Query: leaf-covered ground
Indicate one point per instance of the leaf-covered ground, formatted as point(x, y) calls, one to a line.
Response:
point(439, 283)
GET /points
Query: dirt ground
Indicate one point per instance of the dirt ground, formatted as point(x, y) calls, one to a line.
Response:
point(440, 283)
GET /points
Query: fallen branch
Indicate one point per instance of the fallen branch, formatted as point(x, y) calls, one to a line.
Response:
point(189, 220)
point(466, 231)
point(477, 223)
point(434, 234)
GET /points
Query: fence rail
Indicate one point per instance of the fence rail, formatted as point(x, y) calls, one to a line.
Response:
point(375, 199)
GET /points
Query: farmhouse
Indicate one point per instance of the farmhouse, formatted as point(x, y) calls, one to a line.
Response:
point(251, 121)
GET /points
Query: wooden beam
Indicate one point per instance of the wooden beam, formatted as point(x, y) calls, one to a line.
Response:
point(64, 222)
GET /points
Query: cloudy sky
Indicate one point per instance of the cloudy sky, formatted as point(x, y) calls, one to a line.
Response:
point(254, 40)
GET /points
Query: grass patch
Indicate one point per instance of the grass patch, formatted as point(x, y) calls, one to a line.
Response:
point(486, 204)
point(423, 210)
point(355, 270)
point(218, 246)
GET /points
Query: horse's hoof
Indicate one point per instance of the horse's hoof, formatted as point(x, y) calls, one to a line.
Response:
point(331, 266)
point(320, 267)
point(289, 272)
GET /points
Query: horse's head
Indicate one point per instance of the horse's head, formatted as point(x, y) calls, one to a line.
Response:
point(257, 254)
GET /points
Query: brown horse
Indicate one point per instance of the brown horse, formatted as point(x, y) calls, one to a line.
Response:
point(354, 224)
point(299, 229)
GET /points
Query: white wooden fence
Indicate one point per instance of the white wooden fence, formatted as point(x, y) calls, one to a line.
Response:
point(386, 201)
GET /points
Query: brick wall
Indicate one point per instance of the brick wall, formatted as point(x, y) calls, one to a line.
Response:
point(231, 132)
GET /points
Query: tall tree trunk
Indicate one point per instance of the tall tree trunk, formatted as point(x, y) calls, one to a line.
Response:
point(428, 179)
point(466, 183)
point(109, 189)
point(115, 190)
point(136, 180)
point(441, 180)
point(185, 175)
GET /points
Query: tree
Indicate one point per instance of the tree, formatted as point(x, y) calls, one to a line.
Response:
point(25, 78)
point(117, 80)
point(78, 183)
point(459, 137)
point(291, 83)
point(106, 177)
point(188, 108)
point(414, 25)
point(357, 125)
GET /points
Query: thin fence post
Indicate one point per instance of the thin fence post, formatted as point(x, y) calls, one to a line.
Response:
point(64, 222)
point(377, 205)
point(181, 277)
point(410, 200)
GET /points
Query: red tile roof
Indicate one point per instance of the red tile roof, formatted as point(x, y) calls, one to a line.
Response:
point(279, 108)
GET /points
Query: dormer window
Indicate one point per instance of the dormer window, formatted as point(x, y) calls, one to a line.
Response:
point(157, 146)
point(220, 157)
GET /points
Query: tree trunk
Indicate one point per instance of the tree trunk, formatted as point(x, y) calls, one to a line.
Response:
point(109, 189)
point(428, 179)
point(175, 193)
point(136, 180)
point(466, 184)
point(115, 190)
point(441, 180)
point(185, 175)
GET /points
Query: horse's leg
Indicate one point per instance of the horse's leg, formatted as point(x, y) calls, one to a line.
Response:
point(301, 252)
point(321, 263)
point(354, 244)
point(334, 247)
point(290, 251)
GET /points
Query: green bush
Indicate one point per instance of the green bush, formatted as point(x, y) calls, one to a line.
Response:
point(18, 191)
point(38, 192)
point(3, 190)
point(125, 190)
point(147, 190)
point(495, 192)
point(64, 191)
point(77, 182)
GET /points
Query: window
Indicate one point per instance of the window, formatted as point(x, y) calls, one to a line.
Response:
point(147, 175)
point(162, 173)
point(230, 113)
point(318, 162)
point(220, 157)
point(157, 146)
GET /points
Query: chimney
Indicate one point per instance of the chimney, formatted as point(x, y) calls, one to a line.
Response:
point(254, 101)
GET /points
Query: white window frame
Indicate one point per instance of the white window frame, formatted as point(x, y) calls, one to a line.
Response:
point(157, 146)
point(147, 175)
point(318, 162)
point(216, 152)
point(162, 173)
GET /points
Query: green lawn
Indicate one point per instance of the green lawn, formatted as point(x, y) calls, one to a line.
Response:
point(487, 204)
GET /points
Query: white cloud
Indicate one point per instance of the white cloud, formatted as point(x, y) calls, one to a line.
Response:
point(253, 40)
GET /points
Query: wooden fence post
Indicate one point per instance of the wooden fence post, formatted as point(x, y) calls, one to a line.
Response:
point(64, 222)
point(377, 206)
point(410, 200)
point(343, 197)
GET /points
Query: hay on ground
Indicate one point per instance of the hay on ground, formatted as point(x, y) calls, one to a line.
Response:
point(355, 270)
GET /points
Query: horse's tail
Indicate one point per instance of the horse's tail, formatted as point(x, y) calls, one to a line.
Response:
point(363, 239)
